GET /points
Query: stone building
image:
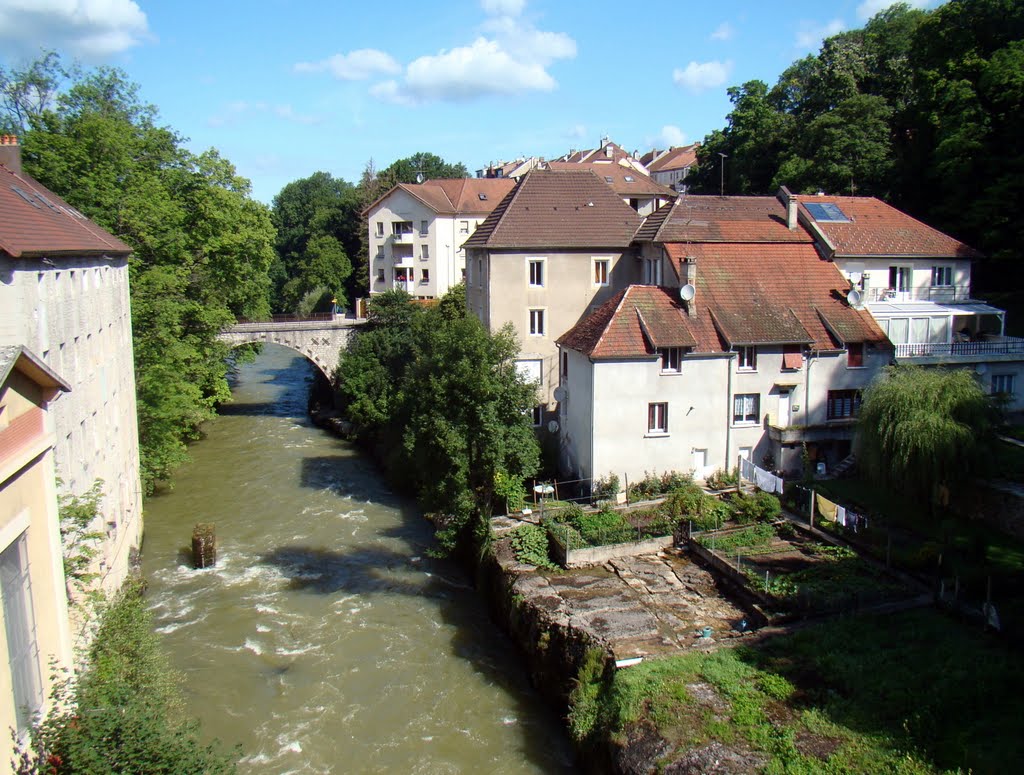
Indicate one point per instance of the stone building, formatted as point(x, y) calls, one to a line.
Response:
point(64, 295)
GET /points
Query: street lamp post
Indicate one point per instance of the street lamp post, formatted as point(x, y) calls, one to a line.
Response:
point(724, 156)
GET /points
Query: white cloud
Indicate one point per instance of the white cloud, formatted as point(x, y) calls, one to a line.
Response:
point(354, 66)
point(511, 57)
point(809, 35)
point(89, 28)
point(724, 31)
point(700, 76)
point(669, 136)
point(236, 111)
point(869, 8)
point(503, 7)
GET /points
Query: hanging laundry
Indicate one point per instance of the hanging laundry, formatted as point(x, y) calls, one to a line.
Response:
point(852, 518)
point(841, 515)
point(827, 508)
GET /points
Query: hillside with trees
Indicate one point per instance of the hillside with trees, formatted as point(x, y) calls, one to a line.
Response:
point(920, 108)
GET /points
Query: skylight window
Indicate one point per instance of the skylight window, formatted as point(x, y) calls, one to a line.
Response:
point(483, 197)
point(607, 178)
point(628, 178)
point(826, 211)
point(26, 196)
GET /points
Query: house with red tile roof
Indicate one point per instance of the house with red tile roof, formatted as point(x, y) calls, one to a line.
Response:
point(670, 168)
point(555, 247)
point(417, 230)
point(608, 151)
point(741, 343)
point(637, 190)
point(64, 295)
point(916, 282)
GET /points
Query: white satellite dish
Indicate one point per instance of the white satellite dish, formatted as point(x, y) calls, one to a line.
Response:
point(687, 292)
point(419, 177)
point(854, 297)
point(553, 426)
point(561, 393)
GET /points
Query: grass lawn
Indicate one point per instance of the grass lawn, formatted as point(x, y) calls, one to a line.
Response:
point(908, 693)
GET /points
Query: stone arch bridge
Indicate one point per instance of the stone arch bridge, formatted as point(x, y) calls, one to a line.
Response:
point(319, 338)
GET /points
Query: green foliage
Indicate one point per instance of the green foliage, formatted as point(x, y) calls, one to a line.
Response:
point(429, 165)
point(755, 507)
point(585, 699)
point(753, 537)
point(606, 488)
point(565, 534)
point(123, 712)
point(79, 539)
point(721, 479)
point(691, 503)
point(202, 247)
point(511, 491)
point(599, 528)
point(442, 399)
point(921, 427)
point(530, 545)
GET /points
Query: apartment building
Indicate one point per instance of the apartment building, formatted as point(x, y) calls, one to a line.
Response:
point(637, 190)
point(417, 231)
point(670, 168)
point(555, 247)
point(35, 630)
point(64, 295)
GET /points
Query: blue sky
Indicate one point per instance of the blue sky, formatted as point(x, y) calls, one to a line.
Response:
point(284, 89)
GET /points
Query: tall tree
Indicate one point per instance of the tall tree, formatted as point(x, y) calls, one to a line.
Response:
point(919, 428)
point(429, 165)
point(202, 247)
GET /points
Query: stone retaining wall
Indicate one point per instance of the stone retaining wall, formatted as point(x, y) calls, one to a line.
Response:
point(599, 555)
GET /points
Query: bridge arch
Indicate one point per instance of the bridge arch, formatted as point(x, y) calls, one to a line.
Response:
point(320, 341)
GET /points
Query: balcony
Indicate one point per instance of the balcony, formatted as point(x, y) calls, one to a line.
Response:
point(990, 347)
point(937, 293)
point(839, 429)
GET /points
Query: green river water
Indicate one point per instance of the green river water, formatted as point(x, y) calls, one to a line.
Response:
point(325, 640)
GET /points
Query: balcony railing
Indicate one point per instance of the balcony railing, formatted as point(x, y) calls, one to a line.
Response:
point(403, 238)
point(936, 293)
point(1007, 345)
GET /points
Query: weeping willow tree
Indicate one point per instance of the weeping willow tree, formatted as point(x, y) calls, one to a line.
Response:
point(921, 428)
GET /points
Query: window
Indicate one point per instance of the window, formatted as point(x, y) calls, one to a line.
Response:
point(380, 228)
point(671, 359)
point(652, 271)
point(792, 357)
point(537, 322)
point(942, 275)
point(746, 408)
point(535, 267)
point(380, 275)
point(843, 404)
point(20, 625)
point(634, 203)
point(657, 418)
point(854, 355)
point(424, 228)
point(425, 252)
point(538, 415)
point(601, 271)
point(748, 359)
point(1003, 384)
point(899, 278)
point(565, 364)
point(398, 228)
point(463, 227)
point(424, 276)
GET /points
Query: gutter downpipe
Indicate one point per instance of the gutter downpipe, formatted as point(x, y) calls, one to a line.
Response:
point(807, 390)
point(728, 414)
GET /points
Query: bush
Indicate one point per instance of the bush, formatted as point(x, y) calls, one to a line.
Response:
point(134, 721)
point(530, 545)
point(568, 536)
point(604, 527)
point(606, 489)
point(759, 507)
point(690, 502)
point(722, 479)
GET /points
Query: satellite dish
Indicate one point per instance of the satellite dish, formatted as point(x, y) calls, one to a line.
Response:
point(687, 292)
point(419, 177)
point(854, 297)
point(561, 393)
point(553, 426)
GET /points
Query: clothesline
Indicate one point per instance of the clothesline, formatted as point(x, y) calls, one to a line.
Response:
point(763, 479)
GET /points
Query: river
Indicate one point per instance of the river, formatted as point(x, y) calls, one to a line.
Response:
point(325, 640)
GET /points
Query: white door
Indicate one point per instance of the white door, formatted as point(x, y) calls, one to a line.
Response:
point(700, 463)
point(785, 418)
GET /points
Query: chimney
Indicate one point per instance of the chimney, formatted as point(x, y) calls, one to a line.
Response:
point(689, 273)
point(10, 153)
point(791, 202)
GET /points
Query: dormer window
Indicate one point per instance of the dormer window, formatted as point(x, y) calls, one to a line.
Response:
point(671, 360)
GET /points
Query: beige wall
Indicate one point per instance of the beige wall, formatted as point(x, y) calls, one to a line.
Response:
point(75, 314)
point(921, 276)
point(498, 292)
point(28, 506)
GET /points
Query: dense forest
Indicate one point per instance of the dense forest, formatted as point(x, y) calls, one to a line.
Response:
point(923, 109)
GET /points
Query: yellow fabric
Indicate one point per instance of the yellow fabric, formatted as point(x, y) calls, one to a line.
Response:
point(827, 509)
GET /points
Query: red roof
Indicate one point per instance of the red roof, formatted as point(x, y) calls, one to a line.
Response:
point(565, 209)
point(454, 196)
point(37, 222)
point(877, 229)
point(745, 294)
point(625, 181)
point(721, 219)
point(674, 159)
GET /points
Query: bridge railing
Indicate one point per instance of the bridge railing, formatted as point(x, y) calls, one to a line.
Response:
point(316, 317)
